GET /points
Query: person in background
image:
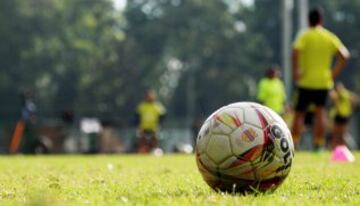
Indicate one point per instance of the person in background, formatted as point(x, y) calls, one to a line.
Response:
point(312, 56)
point(149, 115)
point(110, 140)
point(343, 101)
point(271, 90)
point(25, 127)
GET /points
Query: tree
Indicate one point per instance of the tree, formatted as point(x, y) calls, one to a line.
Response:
point(202, 37)
point(198, 54)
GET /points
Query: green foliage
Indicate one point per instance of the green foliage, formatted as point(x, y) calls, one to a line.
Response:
point(63, 50)
point(203, 38)
point(167, 180)
point(99, 61)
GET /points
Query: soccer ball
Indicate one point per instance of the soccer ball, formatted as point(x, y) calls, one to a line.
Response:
point(244, 147)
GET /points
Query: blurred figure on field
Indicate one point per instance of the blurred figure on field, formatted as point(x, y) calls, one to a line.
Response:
point(26, 126)
point(110, 141)
point(312, 56)
point(149, 115)
point(28, 107)
point(271, 90)
point(67, 128)
point(344, 102)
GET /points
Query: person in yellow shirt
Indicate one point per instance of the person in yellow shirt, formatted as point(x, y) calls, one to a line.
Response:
point(271, 90)
point(343, 101)
point(149, 114)
point(312, 56)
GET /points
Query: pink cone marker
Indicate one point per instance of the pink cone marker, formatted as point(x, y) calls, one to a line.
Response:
point(342, 154)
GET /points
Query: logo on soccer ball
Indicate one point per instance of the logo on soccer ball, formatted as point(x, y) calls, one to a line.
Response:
point(276, 131)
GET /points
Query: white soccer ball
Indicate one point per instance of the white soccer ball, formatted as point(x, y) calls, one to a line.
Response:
point(244, 147)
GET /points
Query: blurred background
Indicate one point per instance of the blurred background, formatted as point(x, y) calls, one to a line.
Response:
point(88, 63)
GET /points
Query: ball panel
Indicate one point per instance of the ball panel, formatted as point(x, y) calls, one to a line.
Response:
point(274, 116)
point(228, 162)
point(226, 121)
point(240, 169)
point(241, 172)
point(265, 114)
point(232, 118)
point(206, 172)
point(244, 105)
point(218, 148)
point(248, 146)
point(203, 137)
point(252, 118)
point(270, 184)
point(207, 162)
point(211, 116)
point(268, 169)
point(218, 127)
point(252, 154)
point(245, 138)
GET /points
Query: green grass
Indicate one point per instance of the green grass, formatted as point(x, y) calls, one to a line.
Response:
point(167, 180)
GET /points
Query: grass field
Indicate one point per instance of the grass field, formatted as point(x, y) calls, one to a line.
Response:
point(166, 180)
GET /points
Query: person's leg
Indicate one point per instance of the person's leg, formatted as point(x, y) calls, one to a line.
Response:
point(297, 127)
point(143, 145)
point(339, 131)
point(154, 140)
point(320, 126)
point(319, 98)
point(342, 133)
point(300, 108)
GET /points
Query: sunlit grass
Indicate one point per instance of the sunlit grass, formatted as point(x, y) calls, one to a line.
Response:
point(166, 180)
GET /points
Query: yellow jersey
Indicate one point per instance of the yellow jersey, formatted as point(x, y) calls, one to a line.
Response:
point(317, 47)
point(271, 92)
point(343, 104)
point(149, 114)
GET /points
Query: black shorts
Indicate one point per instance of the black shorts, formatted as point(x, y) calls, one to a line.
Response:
point(341, 120)
point(318, 97)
